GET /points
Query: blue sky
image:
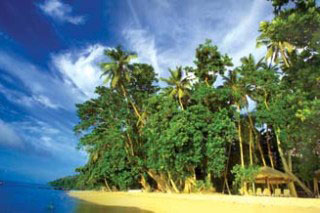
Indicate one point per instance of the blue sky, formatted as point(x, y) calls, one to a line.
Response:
point(49, 56)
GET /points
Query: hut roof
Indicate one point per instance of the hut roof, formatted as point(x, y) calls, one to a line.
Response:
point(272, 175)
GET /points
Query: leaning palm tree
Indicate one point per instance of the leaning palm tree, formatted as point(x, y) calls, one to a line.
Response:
point(178, 86)
point(265, 81)
point(275, 48)
point(117, 71)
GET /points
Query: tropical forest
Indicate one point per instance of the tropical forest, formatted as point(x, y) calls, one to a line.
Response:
point(214, 126)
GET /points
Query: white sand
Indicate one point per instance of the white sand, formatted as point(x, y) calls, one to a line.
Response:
point(160, 202)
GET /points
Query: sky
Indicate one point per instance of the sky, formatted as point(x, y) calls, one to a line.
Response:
point(50, 52)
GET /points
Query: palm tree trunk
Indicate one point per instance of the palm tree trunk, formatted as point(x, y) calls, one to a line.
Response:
point(283, 159)
point(244, 187)
point(132, 104)
point(251, 148)
point(145, 185)
point(268, 142)
point(261, 152)
point(225, 172)
point(161, 181)
point(288, 171)
point(284, 163)
point(180, 102)
point(283, 55)
point(130, 144)
point(107, 185)
point(206, 81)
point(174, 186)
point(240, 139)
point(269, 150)
point(286, 167)
point(250, 139)
point(257, 141)
point(315, 187)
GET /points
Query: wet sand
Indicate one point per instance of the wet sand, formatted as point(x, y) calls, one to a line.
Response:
point(160, 202)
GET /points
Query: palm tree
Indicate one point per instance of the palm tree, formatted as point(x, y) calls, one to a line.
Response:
point(248, 70)
point(118, 72)
point(265, 85)
point(178, 85)
point(250, 63)
point(239, 99)
point(274, 47)
point(118, 69)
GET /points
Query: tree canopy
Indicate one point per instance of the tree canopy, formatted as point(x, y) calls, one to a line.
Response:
point(194, 136)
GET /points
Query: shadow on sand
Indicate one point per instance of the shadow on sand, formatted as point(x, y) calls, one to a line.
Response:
point(87, 207)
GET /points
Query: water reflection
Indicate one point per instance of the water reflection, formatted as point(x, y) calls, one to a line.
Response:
point(86, 207)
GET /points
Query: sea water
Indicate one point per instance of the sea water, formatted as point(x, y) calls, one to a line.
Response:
point(18, 197)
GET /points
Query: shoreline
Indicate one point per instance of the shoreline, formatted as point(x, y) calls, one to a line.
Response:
point(164, 202)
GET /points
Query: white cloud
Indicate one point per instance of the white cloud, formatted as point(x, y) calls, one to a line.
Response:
point(134, 15)
point(60, 11)
point(81, 68)
point(42, 137)
point(40, 145)
point(27, 100)
point(143, 44)
point(8, 136)
point(241, 40)
point(78, 74)
point(172, 30)
point(45, 101)
point(36, 127)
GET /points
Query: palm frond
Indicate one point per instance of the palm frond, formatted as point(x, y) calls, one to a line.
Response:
point(115, 81)
point(288, 46)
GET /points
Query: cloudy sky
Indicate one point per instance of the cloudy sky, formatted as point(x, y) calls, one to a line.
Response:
point(49, 56)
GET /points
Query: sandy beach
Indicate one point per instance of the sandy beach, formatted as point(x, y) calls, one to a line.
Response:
point(159, 202)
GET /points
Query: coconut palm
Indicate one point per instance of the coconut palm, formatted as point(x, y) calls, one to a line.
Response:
point(248, 70)
point(239, 99)
point(275, 48)
point(178, 86)
point(117, 71)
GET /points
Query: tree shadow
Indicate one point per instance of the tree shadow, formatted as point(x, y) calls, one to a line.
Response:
point(87, 207)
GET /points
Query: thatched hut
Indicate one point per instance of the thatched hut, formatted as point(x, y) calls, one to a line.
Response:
point(268, 175)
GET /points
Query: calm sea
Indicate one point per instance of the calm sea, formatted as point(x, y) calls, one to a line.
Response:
point(24, 198)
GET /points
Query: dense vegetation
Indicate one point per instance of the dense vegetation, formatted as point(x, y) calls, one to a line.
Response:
point(193, 136)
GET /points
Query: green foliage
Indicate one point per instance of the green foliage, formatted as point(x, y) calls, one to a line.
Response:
point(188, 135)
point(222, 131)
point(118, 70)
point(284, 33)
point(71, 183)
point(179, 86)
point(209, 62)
point(246, 174)
point(203, 185)
point(180, 140)
point(306, 166)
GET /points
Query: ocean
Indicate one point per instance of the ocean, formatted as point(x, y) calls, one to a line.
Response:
point(18, 197)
